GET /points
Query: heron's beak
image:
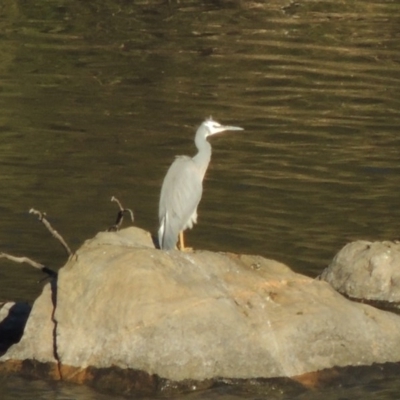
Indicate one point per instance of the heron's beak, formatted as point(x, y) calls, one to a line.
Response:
point(224, 128)
point(232, 128)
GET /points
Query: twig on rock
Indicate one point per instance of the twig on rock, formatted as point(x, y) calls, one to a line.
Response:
point(27, 260)
point(120, 215)
point(55, 234)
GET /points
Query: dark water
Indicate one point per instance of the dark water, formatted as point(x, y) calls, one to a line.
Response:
point(16, 388)
point(96, 98)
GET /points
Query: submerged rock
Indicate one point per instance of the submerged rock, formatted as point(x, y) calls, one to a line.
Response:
point(367, 270)
point(152, 319)
point(13, 317)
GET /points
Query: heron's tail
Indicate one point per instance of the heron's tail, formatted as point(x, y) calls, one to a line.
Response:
point(166, 239)
point(161, 231)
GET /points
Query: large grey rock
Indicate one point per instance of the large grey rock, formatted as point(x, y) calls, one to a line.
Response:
point(367, 270)
point(198, 316)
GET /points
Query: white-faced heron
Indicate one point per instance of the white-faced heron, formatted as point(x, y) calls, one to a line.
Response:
point(183, 186)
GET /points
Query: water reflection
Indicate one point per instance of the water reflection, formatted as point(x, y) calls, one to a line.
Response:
point(376, 388)
point(13, 388)
point(97, 98)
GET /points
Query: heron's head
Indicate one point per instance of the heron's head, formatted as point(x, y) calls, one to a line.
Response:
point(213, 127)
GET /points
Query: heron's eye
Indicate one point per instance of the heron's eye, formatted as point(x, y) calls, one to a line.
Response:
point(212, 126)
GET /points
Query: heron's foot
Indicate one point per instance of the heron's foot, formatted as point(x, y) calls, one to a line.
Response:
point(182, 246)
point(187, 249)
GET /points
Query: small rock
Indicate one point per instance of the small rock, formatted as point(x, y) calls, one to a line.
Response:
point(366, 270)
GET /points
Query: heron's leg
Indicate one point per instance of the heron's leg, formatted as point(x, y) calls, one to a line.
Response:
point(182, 246)
point(181, 242)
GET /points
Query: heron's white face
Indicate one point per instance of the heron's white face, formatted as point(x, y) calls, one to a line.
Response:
point(213, 127)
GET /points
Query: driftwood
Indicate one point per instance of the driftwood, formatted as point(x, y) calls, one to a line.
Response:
point(42, 218)
point(55, 234)
point(120, 215)
point(33, 263)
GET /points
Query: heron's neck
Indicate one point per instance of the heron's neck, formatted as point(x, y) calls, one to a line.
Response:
point(203, 156)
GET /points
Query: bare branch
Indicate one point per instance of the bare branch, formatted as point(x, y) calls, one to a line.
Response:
point(27, 260)
point(120, 215)
point(113, 198)
point(55, 234)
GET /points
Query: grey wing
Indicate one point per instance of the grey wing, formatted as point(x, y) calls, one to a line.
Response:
point(180, 195)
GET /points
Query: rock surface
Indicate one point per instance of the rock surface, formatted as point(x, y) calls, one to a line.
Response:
point(120, 303)
point(366, 270)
